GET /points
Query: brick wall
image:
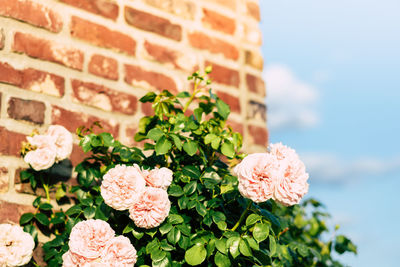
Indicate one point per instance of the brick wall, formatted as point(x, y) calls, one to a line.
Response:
point(72, 62)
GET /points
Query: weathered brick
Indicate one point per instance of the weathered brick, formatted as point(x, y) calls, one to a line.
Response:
point(77, 155)
point(11, 212)
point(216, 21)
point(181, 8)
point(101, 36)
point(232, 101)
point(42, 82)
point(224, 75)
point(202, 41)
point(226, 3)
point(105, 8)
point(103, 98)
point(148, 22)
point(48, 50)
point(74, 119)
point(254, 59)
point(255, 84)
point(253, 10)
point(10, 142)
point(147, 109)
point(104, 67)
point(236, 126)
point(27, 110)
point(252, 34)
point(257, 110)
point(170, 57)
point(4, 180)
point(33, 13)
point(2, 38)
point(9, 75)
point(137, 76)
point(258, 135)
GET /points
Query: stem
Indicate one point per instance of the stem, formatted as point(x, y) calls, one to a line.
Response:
point(46, 189)
point(191, 97)
point(243, 215)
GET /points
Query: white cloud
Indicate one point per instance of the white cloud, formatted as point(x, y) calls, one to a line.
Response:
point(291, 102)
point(331, 168)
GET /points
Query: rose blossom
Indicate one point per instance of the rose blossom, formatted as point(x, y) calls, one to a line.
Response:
point(257, 173)
point(161, 178)
point(16, 246)
point(62, 139)
point(41, 158)
point(292, 185)
point(119, 252)
point(121, 186)
point(151, 208)
point(41, 141)
point(89, 238)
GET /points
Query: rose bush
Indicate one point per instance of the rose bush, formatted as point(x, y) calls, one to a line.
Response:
point(177, 202)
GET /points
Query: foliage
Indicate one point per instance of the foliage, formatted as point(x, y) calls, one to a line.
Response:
point(210, 223)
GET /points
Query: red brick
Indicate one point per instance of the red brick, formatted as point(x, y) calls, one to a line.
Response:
point(236, 126)
point(27, 110)
point(257, 110)
point(101, 36)
point(232, 101)
point(33, 13)
point(258, 135)
point(226, 3)
point(77, 155)
point(253, 10)
point(216, 21)
point(42, 82)
point(221, 74)
point(103, 98)
point(74, 119)
point(10, 142)
point(103, 8)
point(181, 8)
point(254, 59)
point(137, 76)
point(2, 38)
point(10, 75)
point(255, 84)
point(201, 41)
point(170, 57)
point(4, 180)
point(11, 212)
point(148, 22)
point(104, 67)
point(48, 50)
point(147, 109)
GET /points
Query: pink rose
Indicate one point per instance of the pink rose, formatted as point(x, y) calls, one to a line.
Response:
point(121, 186)
point(119, 252)
point(62, 139)
point(292, 185)
point(89, 238)
point(40, 141)
point(160, 178)
point(16, 246)
point(257, 175)
point(41, 158)
point(151, 208)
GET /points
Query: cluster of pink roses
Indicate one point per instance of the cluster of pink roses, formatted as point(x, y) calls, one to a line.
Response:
point(279, 175)
point(54, 146)
point(142, 192)
point(16, 246)
point(93, 243)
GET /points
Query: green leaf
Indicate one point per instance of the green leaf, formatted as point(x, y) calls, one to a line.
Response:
point(221, 245)
point(165, 228)
point(201, 209)
point(73, 210)
point(163, 145)
point(252, 219)
point(158, 255)
point(221, 260)
point(221, 225)
point(253, 244)
point(191, 171)
point(223, 109)
point(89, 212)
point(271, 217)
point(190, 147)
point(175, 191)
point(149, 97)
point(272, 246)
point(60, 193)
point(261, 231)
point(198, 113)
point(244, 248)
point(234, 246)
point(209, 138)
point(174, 235)
point(165, 246)
point(218, 216)
point(128, 228)
point(155, 134)
point(25, 218)
point(177, 141)
point(25, 175)
point(183, 95)
point(45, 206)
point(195, 255)
point(85, 143)
point(107, 138)
point(175, 219)
point(190, 188)
point(42, 219)
point(228, 149)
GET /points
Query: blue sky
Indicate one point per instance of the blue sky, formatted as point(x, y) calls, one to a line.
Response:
point(333, 85)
